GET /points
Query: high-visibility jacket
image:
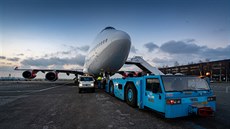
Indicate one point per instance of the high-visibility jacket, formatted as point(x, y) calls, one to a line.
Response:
point(99, 78)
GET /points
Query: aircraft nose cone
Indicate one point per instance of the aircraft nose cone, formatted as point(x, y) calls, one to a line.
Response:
point(121, 42)
point(114, 55)
point(118, 52)
point(122, 36)
point(121, 45)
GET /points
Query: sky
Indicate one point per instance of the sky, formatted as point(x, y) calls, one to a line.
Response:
point(59, 33)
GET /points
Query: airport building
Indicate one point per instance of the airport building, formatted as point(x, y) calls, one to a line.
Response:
point(215, 70)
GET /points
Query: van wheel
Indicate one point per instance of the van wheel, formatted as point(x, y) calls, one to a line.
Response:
point(111, 88)
point(131, 95)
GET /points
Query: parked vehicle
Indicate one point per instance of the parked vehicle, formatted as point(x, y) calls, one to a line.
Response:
point(173, 96)
point(86, 83)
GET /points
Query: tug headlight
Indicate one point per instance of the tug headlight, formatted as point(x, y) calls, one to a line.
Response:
point(212, 98)
point(173, 101)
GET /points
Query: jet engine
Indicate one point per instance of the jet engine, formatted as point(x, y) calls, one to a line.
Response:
point(29, 74)
point(52, 76)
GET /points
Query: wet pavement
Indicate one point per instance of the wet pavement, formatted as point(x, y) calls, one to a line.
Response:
point(48, 105)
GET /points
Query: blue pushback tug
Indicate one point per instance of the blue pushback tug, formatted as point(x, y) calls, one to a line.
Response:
point(174, 96)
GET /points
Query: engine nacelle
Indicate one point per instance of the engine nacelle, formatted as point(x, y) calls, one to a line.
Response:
point(52, 76)
point(29, 74)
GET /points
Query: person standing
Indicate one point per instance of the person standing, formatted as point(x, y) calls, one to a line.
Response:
point(99, 82)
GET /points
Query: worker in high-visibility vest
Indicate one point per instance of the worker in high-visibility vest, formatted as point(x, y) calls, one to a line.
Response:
point(99, 82)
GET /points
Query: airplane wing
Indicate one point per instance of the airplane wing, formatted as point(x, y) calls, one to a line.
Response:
point(51, 74)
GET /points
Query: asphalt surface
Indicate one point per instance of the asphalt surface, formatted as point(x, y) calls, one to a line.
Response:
point(46, 105)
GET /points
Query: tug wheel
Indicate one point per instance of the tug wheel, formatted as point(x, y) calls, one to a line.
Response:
point(131, 95)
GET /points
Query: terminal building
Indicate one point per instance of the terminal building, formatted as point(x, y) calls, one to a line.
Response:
point(217, 71)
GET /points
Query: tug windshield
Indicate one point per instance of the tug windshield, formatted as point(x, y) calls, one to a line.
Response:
point(182, 83)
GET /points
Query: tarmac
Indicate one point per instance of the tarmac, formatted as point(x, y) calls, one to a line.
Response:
point(58, 105)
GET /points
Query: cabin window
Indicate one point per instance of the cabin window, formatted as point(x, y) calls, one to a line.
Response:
point(153, 85)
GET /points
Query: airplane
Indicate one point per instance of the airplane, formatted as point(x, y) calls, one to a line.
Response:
point(107, 57)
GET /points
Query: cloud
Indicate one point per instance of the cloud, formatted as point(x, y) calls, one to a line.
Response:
point(150, 46)
point(218, 53)
point(14, 59)
point(79, 59)
point(21, 54)
point(133, 49)
point(2, 57)
point(220, 30)
point(83, 48)
point(185, 51)
point(58, 54)
point(65, 52)
point(159, 60)
point(166, 61)
point(181, 47)
point(59, 59)
point(70, 52)
point(188, 47)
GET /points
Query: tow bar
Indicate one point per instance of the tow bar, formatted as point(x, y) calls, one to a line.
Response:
point(205, 111)
point(201, 110)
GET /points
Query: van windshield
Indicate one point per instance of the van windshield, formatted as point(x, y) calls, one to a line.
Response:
point(182, 83)
point(86, 79)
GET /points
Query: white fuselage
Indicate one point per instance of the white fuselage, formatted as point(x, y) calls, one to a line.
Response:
point(110, 53)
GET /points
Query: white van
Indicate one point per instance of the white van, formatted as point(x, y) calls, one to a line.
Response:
point(86, 82)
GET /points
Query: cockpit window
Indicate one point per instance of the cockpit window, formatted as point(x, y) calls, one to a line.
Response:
point(107, 28)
